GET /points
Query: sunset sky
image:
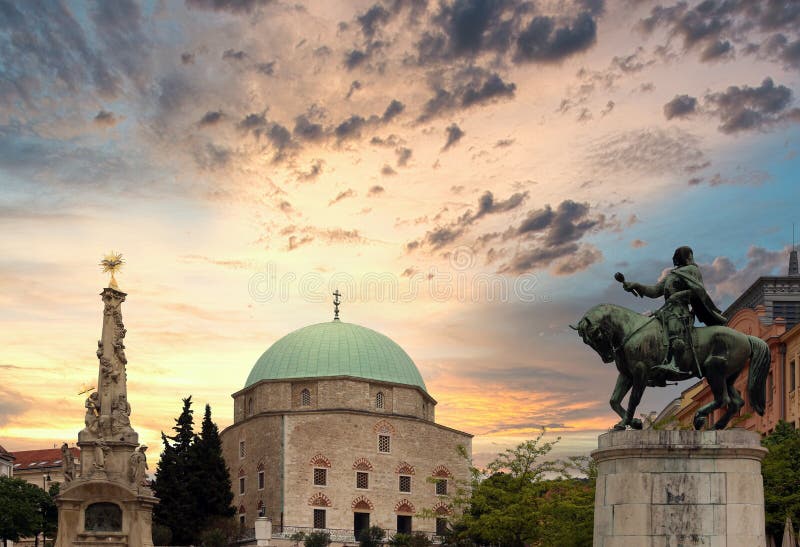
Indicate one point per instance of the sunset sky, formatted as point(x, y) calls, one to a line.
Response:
point(468, 173)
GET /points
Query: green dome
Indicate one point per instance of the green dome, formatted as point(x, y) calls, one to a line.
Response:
point(336, 349)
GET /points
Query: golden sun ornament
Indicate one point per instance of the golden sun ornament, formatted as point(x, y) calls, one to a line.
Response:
point(112, 262)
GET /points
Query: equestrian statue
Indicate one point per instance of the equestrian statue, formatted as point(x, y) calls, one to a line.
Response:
point(665, 346)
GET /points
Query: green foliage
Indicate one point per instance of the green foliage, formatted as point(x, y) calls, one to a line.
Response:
point(371, 537)
point(23, 509)
point(317, 539)
point(417, 539)
point(297, 537)
point(514, 502)
point(213, 538)
point(781, 472)
point(192, 481)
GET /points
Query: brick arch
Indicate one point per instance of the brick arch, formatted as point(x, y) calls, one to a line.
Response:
point(242, 472)
point(404, 506)
point(405, 468)
point(260, 466)
point(383, 427)
point(442, 509)
point(441, 472)
point(362, 502)
point(320, 500)
point(362, 464)
point(320, 461)
point(242, 510)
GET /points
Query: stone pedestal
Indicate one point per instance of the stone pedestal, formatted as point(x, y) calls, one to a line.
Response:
point(679, 488)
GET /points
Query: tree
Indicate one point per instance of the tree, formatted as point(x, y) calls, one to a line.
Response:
point(317, 539)
point(177, 508)
point(22, 509)
point(781, 472)
point(211, 486)
point(371, 537)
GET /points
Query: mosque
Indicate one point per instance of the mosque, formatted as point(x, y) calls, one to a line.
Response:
point(335, 430)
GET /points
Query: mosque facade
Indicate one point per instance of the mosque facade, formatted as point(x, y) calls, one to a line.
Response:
point(335, 430)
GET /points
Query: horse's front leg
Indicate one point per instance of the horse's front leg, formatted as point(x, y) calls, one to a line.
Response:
point(639, 382)
point(622, 387)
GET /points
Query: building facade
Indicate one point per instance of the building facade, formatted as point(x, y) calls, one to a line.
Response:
point(335, 430)
point(42, 467)
point(6, 463)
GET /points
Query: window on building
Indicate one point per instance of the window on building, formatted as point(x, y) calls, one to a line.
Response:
point(260, 480)
point(792, 376)
point(441, 487)
point(319, 518)
point(403, 524)
point(441, 526)
point(242, 450)
point(405, 483)
point(241, 485)
point(250, 406)
point(362, 480)
point(241, 520)
point(305, 398)
point(379, 400)
point(320, 477)
point(384, 444)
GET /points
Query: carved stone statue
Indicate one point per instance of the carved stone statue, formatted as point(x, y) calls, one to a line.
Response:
point(137, 466)
point(101, 449)
point(120, 414)
point(92, 419)
point(641, 346)
point(67, 463)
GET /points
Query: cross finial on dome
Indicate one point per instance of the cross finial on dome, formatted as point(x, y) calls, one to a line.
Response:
point(336, 302)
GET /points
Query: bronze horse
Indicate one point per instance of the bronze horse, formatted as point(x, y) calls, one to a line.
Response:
point(636, 343)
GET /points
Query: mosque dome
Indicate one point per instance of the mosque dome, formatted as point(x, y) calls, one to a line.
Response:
point(336, 348)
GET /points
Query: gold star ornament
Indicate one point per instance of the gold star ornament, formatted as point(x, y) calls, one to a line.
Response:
point(112, 262)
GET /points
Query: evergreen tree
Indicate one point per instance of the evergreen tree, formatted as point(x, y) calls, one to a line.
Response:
point(211, 485)
point(177, 508)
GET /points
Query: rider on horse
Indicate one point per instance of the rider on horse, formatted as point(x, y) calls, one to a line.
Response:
point(685, 298)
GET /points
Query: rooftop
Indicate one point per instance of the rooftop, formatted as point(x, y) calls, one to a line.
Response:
point(47, 458)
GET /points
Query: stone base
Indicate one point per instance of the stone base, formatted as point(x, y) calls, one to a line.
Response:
point(679, 488)
point(135, 504)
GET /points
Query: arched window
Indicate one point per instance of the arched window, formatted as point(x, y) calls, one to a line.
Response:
point(379, 400)
point(305, 398)
point(250, 406)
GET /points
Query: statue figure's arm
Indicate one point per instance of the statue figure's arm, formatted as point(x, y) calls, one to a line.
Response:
point(650, 291)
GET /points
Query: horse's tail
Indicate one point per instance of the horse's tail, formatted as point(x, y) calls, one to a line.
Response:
point(757, 378)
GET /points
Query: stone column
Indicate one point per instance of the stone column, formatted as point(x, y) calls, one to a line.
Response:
point(688, 488)
point(263, 531)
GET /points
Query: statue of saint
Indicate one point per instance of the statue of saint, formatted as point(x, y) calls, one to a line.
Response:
point(685, 298)
point(92, 419)
point(137, 466)
point(100, 451)
point(120, 414)
point(67, 463)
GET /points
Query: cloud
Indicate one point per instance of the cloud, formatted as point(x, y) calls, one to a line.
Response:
point(350, 128)
point(454, 134)
point(106, 118)
point(187, 58)
point(752, 108)
point(371, 19)
point(212, 117)
point(638, 243)
point(233, 55)
point(376, 190)
point(307, 130)
point(231, 6)
point(403, 155)
point(504, 143)
point(544, 41)
point(680, 107)
point(313, 172)
point(211, 156)
point(267, 69)
point(349, 193)
point(387, 170)
point(394, 109)
point(470, 87)
point(13, 404)
point(727, 281)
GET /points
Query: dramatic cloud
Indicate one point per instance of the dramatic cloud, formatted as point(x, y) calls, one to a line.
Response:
point(470, 87)
point(105, 118)
point(725, 280)
point(393, 110)
point(680, 107)
point(454, 134)
point(747, 108)
point(545, 41)
point(212, 117)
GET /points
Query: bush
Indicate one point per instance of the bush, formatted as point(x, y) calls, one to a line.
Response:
point(317, 539)
point(213, 538)
point(417, 539)
point(371, 537)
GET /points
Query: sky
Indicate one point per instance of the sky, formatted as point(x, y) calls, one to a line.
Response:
point(468, 173)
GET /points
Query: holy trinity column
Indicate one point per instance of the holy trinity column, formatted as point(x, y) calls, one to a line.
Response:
point(109, 502)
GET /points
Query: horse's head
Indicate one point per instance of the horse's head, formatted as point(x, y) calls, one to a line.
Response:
point(595, 333)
